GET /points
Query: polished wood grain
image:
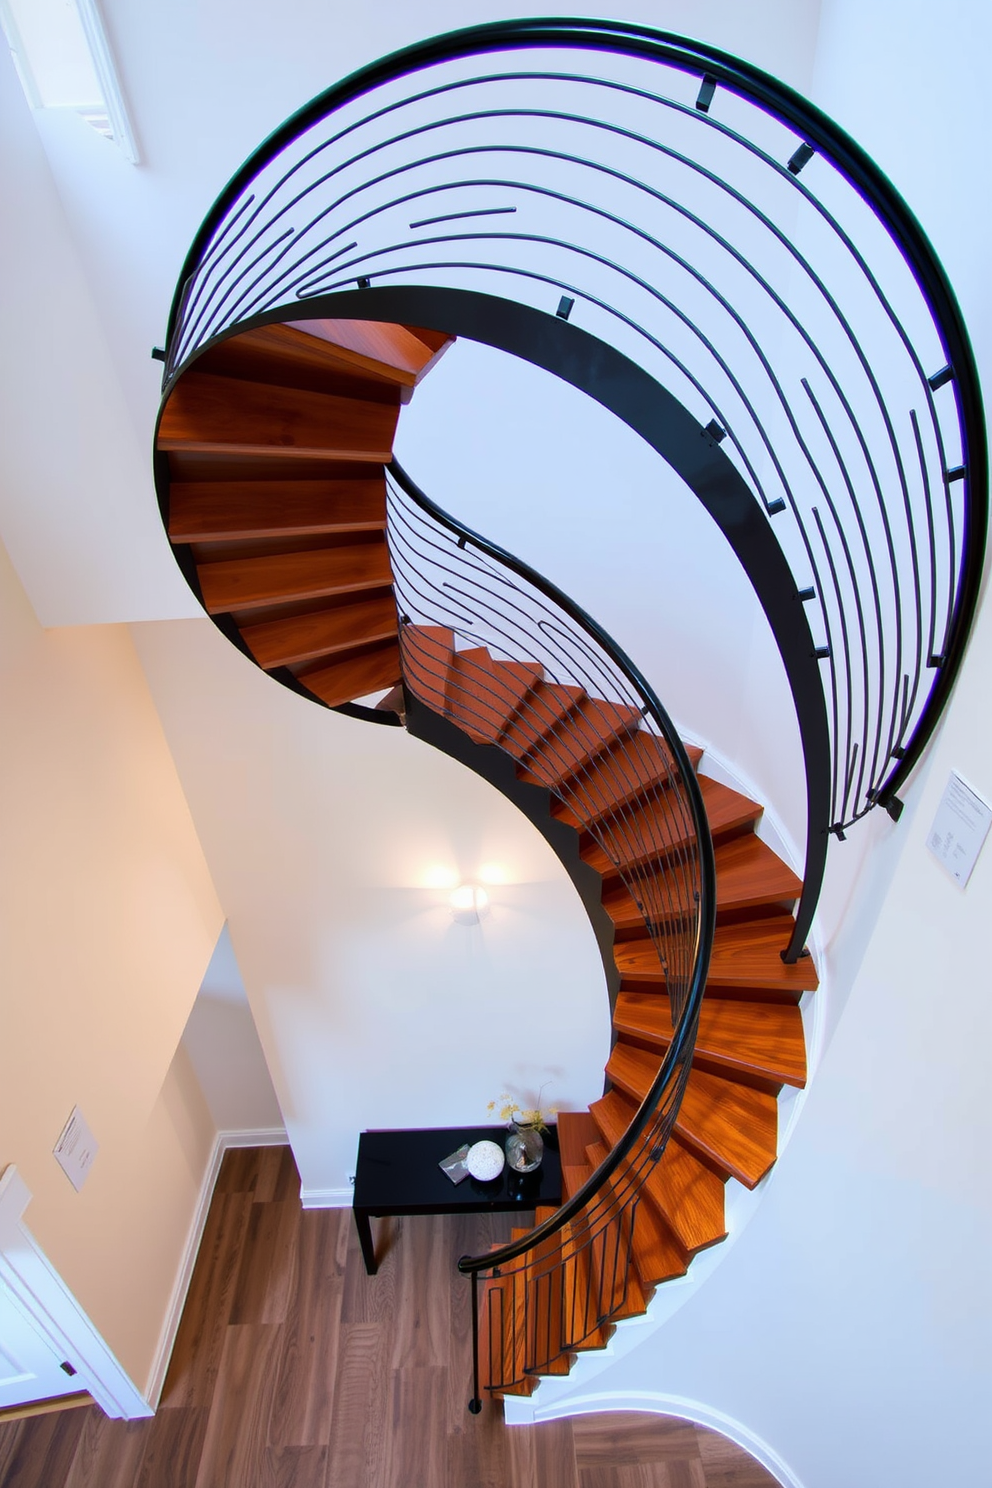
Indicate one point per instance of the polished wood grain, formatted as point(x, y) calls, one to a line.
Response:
point(656, 828)
point(748, 876)
point(222, 510)
point(206, 413)
point(483, 694)
point(762, 1040)
point(245, 583)
point(327, 1378)
point(428, 651)
point(298, 638)
point(746, 959)
point(355, 676)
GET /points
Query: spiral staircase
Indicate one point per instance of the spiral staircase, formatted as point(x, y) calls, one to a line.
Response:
point(274, 449)
point(489, 184)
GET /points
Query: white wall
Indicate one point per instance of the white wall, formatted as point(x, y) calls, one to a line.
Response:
point(849, 1325)
point(222, 1044)
point(107, 920)
point(327, 839)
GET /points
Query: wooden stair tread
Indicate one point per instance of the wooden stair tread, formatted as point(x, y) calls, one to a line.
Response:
point(748, 875)
point(760, 1038)
point(687, 1194)
point(427, 655)
point(354, 676)
point(731, 1126)
point(657, 1254)
point(585, 733)
point(631, 768)
point(210, 413)
point(484, 693)
point(380, 347)
point(302, 638)
point(215, 511)
point(543, 709)
point(246, 583)
point(661, 826)
point(746, 957)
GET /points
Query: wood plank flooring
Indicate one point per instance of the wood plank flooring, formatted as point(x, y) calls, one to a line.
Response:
point(293, 1369)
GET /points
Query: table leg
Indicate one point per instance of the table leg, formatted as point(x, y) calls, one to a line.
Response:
point(363, 1224)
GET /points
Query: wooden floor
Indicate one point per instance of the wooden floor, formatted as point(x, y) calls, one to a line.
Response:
point(293, 1369)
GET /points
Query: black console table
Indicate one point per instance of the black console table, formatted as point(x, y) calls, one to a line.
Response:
point(397, 1173)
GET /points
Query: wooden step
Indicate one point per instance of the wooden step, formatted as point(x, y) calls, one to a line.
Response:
point(657, 1254)
point(249, 583)
point(286, 356)
point(484, 693)
point(544, 708)
point(635, 766)
point(588, 729)
point(657, 828)
point(403, 354)
point(303, 638)
point(576, 1129)
point(732, 1127)
point(220, 511)
point(427, 655)
point(688, 1195)
point(748, 876)
point(354, 676)
point(758, 1040)
point(746, 962)
point(210, 414)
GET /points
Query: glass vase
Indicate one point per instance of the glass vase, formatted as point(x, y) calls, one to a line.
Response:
point(524, 1148)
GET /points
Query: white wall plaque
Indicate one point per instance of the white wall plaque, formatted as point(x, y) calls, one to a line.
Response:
point(959, 829)
point(76, 1148)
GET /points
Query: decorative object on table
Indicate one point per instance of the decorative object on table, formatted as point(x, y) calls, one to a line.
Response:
point(524, 1148)
point(484, 1161)
point(525, 1143)
point(454, 1166)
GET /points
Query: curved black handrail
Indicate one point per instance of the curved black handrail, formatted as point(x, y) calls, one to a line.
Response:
point(659, 1107)
point(837, 549)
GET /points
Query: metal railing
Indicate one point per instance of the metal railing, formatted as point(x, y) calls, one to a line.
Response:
point(734, 248)
point(706, 254)
point(498, 650)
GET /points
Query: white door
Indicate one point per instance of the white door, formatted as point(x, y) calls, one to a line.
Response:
point(29, 1367)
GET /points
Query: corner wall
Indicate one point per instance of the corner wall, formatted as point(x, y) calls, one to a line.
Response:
point(108, 918)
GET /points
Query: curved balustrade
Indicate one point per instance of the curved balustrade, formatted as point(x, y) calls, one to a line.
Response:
point(498, 650)
point(701, 250)
point(733, 245)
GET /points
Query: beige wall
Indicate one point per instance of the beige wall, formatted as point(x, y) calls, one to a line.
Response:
point(108, 918)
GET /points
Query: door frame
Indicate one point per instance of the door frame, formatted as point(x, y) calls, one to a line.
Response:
point(42, 1294)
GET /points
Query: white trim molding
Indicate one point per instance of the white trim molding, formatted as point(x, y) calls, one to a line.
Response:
point(327, 1198)
point(274, 1136)
point(39, 1289)
point(596, 1402)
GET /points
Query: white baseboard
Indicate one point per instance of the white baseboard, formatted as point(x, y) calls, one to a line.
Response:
point(268, 1136)
point(327, 1198)
point(598, 1401)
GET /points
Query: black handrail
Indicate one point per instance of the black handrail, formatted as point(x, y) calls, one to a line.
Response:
point(873, 752)
point(686, 1016)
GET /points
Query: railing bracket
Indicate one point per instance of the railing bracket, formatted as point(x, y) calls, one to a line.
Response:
point(822, 653)
point(805, 595)
point(894, 807)
point(158, 353)
point(774, 507)
point(838, 832)
point(362, 282)
point(716, 431)
point(898, 752)
point(958, 473)
point(939, 378)
point(564, 307)
point(934, 662)
point(801, 157)
point(705, 95)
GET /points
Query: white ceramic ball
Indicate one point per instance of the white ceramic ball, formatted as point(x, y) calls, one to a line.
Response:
point(485, 1161)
